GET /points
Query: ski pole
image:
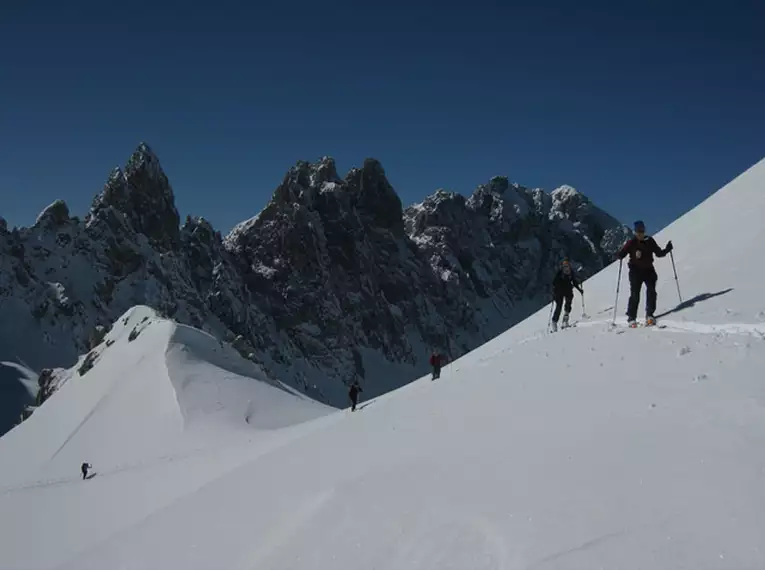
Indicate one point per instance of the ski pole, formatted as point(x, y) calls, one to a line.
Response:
point(584, 312)
point(618, 282)
point(549, 319)
point(672, 257)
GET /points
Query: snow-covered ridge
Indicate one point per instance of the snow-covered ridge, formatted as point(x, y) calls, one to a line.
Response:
point(333, 280)
point(595, 447)
point(175, 377)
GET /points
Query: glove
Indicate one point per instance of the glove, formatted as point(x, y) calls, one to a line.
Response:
point(669, 247)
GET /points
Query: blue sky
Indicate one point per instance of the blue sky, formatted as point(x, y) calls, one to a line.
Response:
point(647, 106)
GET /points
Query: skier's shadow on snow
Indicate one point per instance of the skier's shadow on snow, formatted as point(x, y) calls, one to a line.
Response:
point(691, 302)
point(362, 406)
point(90, 476)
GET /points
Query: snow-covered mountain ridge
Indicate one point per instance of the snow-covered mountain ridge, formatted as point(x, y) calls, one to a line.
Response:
point(334, 278)
point(595, 447)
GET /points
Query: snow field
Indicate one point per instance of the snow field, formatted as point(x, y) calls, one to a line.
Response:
point(595, 447)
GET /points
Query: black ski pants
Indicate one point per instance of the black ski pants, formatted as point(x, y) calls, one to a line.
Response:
point(639, 276)
point(436, 371)
point(560, 296)
point(354, 401)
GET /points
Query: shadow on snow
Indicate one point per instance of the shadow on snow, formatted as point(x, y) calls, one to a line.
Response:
point(691, 302)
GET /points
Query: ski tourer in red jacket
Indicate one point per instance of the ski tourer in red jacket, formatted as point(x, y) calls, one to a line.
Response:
point(436, 361)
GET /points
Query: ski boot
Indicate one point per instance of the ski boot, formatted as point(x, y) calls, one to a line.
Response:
point(632, 323)
point(553, 326)
point(650, 321)
point(564, 323)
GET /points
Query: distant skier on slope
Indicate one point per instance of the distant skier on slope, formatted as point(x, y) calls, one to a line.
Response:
point(84, 469)
point(436, 361)
point(641, 250)
point(353, 394)
point(564, 283)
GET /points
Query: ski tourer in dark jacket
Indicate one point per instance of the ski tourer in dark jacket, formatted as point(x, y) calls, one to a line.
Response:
point(353, 394)
point(565, 281)
point(641, 250)
point(563, 285)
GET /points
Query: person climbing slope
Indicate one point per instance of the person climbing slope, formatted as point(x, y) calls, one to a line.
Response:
point(564, 283)
point(436, 361)
point(641, 250)
point(84, 469)
point(353, 394)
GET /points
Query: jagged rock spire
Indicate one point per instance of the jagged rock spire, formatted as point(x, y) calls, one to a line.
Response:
point(142, 193)
point(376, 199)
point(54, 215)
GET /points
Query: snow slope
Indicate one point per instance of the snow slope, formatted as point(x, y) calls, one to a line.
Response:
point(173, 401)
point(596, 447)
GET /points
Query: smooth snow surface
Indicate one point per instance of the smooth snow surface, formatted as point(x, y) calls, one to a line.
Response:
point(595, 447)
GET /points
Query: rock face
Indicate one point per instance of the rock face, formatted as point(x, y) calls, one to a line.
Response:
point(333, 279)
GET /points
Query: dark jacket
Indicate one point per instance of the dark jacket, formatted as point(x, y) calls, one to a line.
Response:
point(641, 252)
point(563, 284)
point(354, 391)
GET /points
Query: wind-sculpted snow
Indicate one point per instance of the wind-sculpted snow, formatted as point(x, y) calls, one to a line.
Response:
point(598, 446)
point(333, 280)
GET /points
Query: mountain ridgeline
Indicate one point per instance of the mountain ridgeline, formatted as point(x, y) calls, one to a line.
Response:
point(333, 279)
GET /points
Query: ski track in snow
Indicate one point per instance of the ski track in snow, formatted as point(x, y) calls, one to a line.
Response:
point(752, 329)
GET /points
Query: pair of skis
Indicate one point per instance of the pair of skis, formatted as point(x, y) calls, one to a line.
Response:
point(638, 325)
point(645, 324)
point(570, 325)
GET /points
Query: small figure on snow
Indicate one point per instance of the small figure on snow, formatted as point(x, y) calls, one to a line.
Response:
point(436, 362)
point(641, 250)
point(84, 468)
point(564, 283)
point(353, 394)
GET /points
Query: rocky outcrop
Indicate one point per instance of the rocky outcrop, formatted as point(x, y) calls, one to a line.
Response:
point(332, 280)
point(55, 215)
point(140, 197)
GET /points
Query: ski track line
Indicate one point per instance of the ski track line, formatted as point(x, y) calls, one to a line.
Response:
point(584, 546)
point(282, 531)
point(267, 448)
point(757, 330)
point(106, 396)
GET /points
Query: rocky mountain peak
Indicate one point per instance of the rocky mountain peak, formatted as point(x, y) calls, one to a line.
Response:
point(3, 225)
point(324, 172)
point(52, 216)
point(200, 229)
point(498, 184)
point(304, 181)
point(375, 199)
point(440, 209)
point(142, 193)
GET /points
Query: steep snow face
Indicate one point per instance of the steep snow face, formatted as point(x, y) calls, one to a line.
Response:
point(153, 394)
point(598, 446)
point(143, 388)
point(332, 280)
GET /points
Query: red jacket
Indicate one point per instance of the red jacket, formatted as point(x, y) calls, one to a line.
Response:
point(436, 359)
